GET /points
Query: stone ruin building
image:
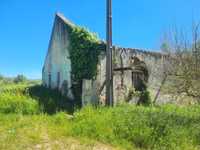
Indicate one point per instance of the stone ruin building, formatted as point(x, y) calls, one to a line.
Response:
point(132, 67)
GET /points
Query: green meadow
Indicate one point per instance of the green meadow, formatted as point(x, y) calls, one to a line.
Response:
point(33, 117)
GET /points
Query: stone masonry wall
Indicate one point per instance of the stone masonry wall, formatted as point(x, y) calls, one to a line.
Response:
point(122, 59)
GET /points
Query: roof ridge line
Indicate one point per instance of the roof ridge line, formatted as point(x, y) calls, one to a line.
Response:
point(64, 19)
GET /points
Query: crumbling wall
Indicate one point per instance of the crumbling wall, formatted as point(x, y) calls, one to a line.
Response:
point(122, 79)
point(57, 70)
point(153, 60)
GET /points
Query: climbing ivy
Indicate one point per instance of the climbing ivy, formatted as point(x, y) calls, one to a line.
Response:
point(85, 48)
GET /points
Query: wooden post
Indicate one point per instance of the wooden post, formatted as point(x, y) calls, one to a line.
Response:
point(109, 69)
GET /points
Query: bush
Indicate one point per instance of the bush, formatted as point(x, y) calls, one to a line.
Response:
point(14, 98)
point(26, 94)
point(18, 104)
point(145, 98)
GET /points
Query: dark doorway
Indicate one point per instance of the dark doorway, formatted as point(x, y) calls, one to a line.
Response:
point(140, 74)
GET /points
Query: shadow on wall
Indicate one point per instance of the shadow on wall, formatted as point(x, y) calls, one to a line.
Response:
point(51, 101)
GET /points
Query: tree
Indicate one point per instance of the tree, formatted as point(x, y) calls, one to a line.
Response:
point(20, 78)
point(185, 59)
point(1, 77)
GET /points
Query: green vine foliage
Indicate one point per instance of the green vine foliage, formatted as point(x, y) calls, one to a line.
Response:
point(85, 48)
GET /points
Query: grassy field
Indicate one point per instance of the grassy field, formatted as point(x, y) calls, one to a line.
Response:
point(32, 117)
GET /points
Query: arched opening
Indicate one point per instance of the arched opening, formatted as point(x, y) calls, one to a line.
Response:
point(140, 74)
point(131, 81)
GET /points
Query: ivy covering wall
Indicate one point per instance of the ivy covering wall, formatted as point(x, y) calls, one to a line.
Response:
point(85, 48)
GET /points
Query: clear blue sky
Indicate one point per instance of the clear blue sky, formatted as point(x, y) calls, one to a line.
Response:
point(25, 26)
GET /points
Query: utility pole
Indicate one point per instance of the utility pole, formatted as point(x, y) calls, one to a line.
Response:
point(109, 68)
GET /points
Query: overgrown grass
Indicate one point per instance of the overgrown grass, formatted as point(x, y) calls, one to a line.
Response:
point(30, 98)
point(25, 122)
point(18, 104)
point(128, 127)
point(14, 99)
point(165, 127)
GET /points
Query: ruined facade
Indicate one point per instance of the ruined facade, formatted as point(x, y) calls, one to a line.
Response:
point(132, 67)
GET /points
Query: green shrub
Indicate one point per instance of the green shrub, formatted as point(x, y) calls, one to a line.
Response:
point(15, 99)
point(30, 94)
point(145, 98)
point(18, 104)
